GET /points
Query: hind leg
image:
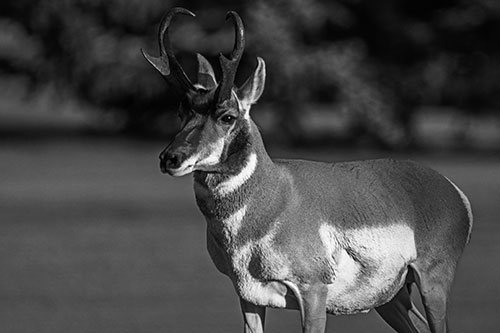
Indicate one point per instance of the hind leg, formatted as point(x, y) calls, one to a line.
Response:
point(402, 315)
point(254, 316)
point(434, 286)
point(314, 314)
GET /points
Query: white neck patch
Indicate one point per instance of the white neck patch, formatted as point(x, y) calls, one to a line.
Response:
point(233, 223)
point(233, 183)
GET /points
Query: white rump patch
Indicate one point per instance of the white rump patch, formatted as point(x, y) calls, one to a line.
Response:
point(467, 205)
point(233, 183)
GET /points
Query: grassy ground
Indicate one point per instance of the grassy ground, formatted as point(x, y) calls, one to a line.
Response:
point(94, 239)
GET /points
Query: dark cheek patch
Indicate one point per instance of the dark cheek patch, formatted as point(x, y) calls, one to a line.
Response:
point(238, 142)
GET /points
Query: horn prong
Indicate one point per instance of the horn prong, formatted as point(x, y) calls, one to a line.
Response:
point(160, 63)
point(206, 76)
point(167, 63)
point(229, 65)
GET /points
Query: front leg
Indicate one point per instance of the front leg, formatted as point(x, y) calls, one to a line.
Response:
point(254, 316)
point(314, 308)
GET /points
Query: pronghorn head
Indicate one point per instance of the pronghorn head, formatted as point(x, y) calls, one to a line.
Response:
point(212, 113)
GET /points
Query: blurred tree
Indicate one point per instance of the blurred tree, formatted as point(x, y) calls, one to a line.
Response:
point(88, 49)
point(312, 58)
point(91, 50)
point(434, 53)
point(377, 62)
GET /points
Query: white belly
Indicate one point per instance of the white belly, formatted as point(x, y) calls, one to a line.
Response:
point(369, 266)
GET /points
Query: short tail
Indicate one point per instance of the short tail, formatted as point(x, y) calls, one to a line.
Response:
point(467, 206)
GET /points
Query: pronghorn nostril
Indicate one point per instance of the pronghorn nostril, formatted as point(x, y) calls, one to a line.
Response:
point(172, 161)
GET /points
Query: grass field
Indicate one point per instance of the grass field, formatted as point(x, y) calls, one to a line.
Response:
point(94, 239)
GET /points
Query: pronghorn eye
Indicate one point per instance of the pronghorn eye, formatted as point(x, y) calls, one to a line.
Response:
point(227, 119)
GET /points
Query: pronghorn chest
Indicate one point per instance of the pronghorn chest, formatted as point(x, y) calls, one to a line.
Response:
point(253, 264)
point(240, 241)
point(239, 228)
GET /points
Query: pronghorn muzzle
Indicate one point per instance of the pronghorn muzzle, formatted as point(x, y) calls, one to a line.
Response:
point(182, 154)
point(170, 161)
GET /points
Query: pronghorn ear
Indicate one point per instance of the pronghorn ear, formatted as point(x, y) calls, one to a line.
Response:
point(253, 87)
point(206, 76)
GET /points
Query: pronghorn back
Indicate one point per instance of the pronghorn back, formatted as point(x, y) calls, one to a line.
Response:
point(382, 192)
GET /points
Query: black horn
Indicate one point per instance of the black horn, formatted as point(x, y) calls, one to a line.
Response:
point(167, 63)
point(230, 65)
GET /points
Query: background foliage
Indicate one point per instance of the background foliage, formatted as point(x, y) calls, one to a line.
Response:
point(372, 65)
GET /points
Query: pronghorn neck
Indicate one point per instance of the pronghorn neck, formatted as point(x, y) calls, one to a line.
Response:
point(248, 176)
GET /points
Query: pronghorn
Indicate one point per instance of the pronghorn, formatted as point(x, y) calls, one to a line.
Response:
point(321, 238)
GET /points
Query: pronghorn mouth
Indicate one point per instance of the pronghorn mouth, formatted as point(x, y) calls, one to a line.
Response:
point(180, 171)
